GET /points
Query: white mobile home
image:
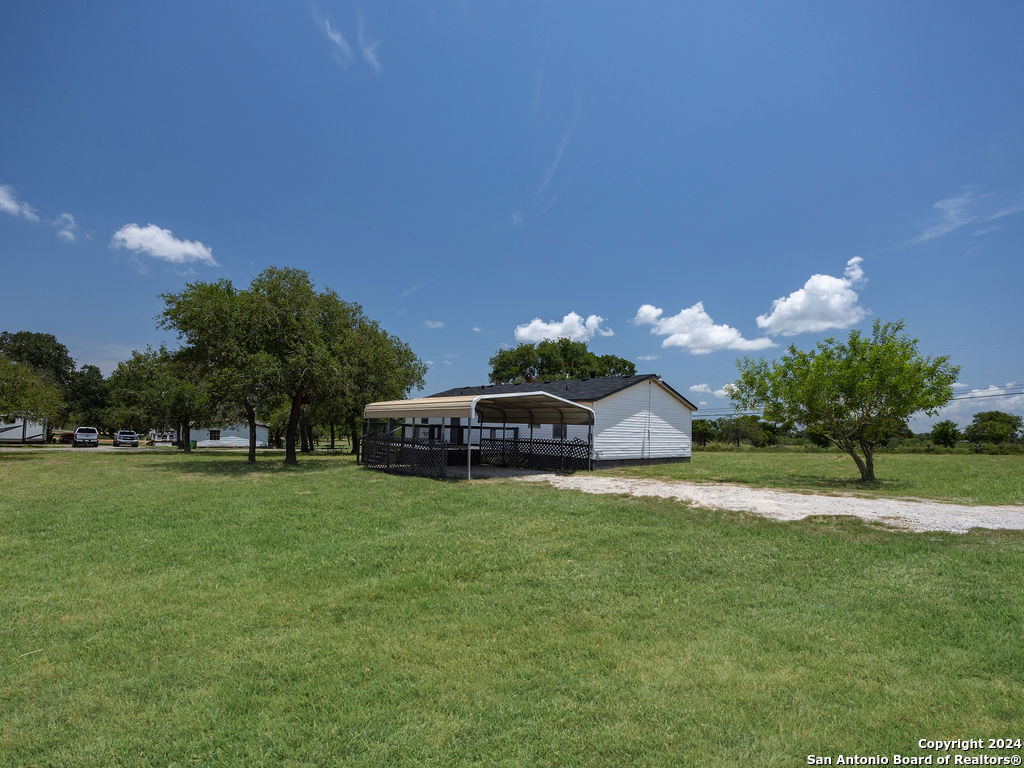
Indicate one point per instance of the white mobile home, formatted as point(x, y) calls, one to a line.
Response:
point(571, 424)
point(637, 419)
point(230, 436)
point(21, 431)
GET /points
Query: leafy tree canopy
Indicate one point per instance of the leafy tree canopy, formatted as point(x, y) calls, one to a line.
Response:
point(855, 393)
point(945, 433)
point(994, 427)
point(554, 359)
point(40, 351)
point(25, 394)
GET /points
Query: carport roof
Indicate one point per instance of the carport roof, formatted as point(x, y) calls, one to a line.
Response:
point(518, 407)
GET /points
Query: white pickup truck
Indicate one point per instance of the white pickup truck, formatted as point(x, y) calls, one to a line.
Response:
point(86, 436)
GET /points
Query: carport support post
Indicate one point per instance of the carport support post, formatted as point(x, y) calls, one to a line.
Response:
point(590, 446)
point(469, 446)
point(562, 447)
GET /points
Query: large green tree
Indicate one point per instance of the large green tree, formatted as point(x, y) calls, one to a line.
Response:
point(157, 389)
point(855, 393)
point(24, 394)
point(554, 359)
point(997, 427)
point(42, 352)
point(945, 433)
point(221, 327)
point(87, 395)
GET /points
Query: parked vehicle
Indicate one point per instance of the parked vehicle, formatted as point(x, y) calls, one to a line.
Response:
point(86, 436)
point(66, 437)
point(126, 437)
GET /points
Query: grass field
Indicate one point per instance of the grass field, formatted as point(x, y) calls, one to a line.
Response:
point(956, 478)
point(175, 610)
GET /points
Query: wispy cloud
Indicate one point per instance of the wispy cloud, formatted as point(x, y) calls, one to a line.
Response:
point(517, 218)
point(366, 46)
point(966, 208)
point(572, 326)
point(1010, 210)
point(954, 212)
point(824, 302)
point(9, 203)
point(343, 50)
point(162, 244)
point(406, 292)
point(549, 175)
point(434, 324)
point(66, 227)
point(647, 358)
point(693, 329)
point(476, 329)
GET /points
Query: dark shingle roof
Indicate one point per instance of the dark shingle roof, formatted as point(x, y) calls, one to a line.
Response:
point(577, 390)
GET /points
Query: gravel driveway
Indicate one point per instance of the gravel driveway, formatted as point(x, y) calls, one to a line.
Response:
point(783, 505)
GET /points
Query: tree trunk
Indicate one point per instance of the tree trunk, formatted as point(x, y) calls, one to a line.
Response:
point(868, 473)
point(250, 416)
point(309, 433)
point(289, 435)
point(303, 434)
point(186, 437)
point(332, 435)
point(353, 433)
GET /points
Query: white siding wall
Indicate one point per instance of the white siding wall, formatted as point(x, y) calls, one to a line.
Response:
point(642, 422)
point(232, 430)
point(18, 431)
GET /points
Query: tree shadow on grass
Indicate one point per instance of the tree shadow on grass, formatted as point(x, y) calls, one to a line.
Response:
point(223, 466)
point(847, 484)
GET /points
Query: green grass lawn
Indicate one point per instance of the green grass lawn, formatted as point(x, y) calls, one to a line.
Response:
point(955, 478)
point(161, 609)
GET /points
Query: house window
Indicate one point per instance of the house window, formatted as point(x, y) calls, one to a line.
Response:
point(215, 434)
point(424, 421)
point(559, 431)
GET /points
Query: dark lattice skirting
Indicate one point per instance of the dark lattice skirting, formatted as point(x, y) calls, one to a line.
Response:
point(550, 455)
point(423, 458)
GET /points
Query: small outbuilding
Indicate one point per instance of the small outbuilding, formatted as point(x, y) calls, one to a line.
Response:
point(599, 421)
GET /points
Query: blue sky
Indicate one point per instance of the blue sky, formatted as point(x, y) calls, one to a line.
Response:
point(680, 184)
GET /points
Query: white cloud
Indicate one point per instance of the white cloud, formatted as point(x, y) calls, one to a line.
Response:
point(986, 231)
point(448, 362)
point(428, 362)
point(66, 227)
point(410, 290)
point(647, 358)
point(990, 398)
point(162, 244)
point(693, 329)
point(344, 49)
point(725, 391)
point(824, 302)
point(700, 388)
point(435, 324)
point(476, 329)
point(366, 46)
point(9, 203)
point(572, 326)
point(1010, 210)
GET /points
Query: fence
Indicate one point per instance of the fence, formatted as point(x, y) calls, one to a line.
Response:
point(423, 458)
point(551, 455)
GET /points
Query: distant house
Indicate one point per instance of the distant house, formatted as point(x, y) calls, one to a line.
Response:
point(21, 431)
point(637, 419)
point(231, 436)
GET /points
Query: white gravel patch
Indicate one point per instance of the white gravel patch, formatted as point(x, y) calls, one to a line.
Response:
point(783, 505)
